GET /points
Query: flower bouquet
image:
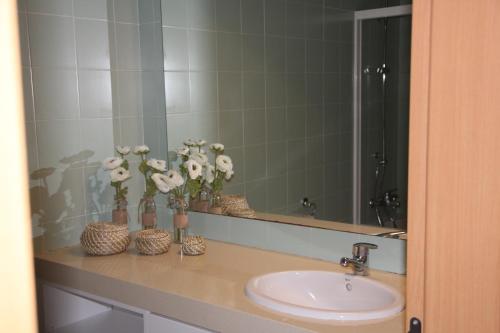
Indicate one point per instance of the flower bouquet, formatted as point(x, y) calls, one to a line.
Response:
point(119, 173)
point(179, 184)
point(147, 216)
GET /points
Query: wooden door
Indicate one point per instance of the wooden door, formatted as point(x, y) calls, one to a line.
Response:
point(454, 181)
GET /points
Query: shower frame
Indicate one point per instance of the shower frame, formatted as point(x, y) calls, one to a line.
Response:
point(359, 16)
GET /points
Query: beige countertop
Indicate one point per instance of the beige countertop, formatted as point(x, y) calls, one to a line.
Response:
point(207, 290)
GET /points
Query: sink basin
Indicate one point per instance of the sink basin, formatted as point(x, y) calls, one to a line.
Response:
point(325, 295)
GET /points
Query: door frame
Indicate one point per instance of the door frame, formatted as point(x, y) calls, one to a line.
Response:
point(418, 156)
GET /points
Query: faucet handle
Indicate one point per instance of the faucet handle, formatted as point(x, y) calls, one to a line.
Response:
point(362, 249)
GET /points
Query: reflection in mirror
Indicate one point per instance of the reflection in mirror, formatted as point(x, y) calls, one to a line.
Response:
point(385, 82)
point(274, 81)
point(93, 79)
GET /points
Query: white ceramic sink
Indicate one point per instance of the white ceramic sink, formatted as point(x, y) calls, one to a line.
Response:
point(325, 295)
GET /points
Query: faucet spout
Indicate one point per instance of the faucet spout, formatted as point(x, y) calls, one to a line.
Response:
point(358, 265)
point(359, 259)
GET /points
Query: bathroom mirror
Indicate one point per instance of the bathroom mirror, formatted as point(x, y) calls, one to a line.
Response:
point(310, 99)
point(295, 91)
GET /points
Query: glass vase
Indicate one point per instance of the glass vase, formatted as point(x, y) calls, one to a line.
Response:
point(147, 213)
point(201, 202)
point(120, 213)
point(215, 204)
point(180, 220)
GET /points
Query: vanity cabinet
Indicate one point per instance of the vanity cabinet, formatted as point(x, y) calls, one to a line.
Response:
point(71, 311)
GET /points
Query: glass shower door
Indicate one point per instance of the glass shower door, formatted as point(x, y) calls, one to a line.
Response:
point(385, 73)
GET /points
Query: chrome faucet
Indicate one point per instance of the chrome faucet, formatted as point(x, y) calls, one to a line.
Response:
point(359, 258)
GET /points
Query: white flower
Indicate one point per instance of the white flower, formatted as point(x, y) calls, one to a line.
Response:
point(124, 150)
point(224, 163)
point(119, 175)
point(159, 165)
point(184, 151)
point(143, 149)
point(196, 149)
point(194, 168)
point(209, 173)
point(217, 147)
point(229, 174)
point(174, 178)
point(199, 157)
point(201, 143)
point(190, 142)
point(112, 163)
point(162, 182)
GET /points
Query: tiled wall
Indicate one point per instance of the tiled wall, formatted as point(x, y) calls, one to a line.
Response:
point(91, 82)
point(272, 80)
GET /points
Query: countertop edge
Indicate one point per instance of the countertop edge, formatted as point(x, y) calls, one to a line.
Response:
point(188, 310)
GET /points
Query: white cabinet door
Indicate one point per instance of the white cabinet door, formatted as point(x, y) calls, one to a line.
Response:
point(61, 308)
point(158, 324)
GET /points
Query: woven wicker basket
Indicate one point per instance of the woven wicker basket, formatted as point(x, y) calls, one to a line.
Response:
point(247, 213)
point(152, 242)
point(193, 245)
point(104, 238)
point(233, 202)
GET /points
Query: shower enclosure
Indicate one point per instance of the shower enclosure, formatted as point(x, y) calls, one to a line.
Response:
point(381, 112)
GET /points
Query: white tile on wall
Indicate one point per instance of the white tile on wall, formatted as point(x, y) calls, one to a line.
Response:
point(177, 92)
point(228, 15)
point(202, 51)
point(176, 137)
point(275, 17)
point(99, 195)
point(147, 10)
point(59, 7)
point(203, 91)
point(254, 128)
point(151, 36)
point(201, 14)
point(255, 162)
point(174, 12)
point(93, 42)
point(175, 44)
point(129, 93)
point(132, 131)
point(97, 137)
point(205, 125)
point(95, 92)
point(63, 233)
point(231, 128)
point(66, 195)
point(252, 16)
point(59, 99)
point(256, 193)
point(230, 90)
point(127, 11)
point(57, 139)
point(96, 9)
point(128, 46)
point(52, 40)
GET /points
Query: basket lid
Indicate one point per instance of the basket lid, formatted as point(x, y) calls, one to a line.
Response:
point(106, 227)
point(152, 234)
